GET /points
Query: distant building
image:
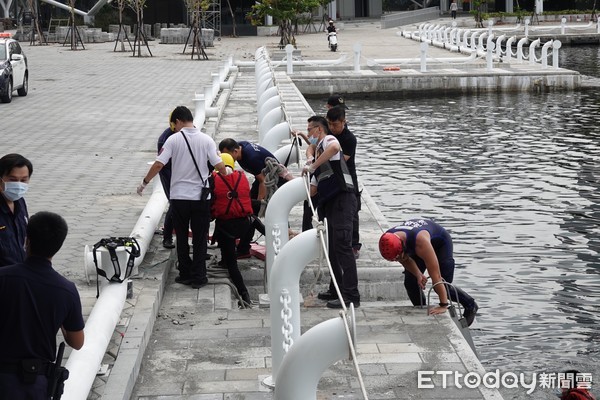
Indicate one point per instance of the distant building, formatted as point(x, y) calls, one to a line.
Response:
point(169, 11)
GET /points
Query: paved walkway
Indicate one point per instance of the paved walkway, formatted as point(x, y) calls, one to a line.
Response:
point(89, 125)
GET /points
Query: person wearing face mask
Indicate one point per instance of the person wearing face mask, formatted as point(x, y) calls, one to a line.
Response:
point(331, 179)
point(310, 157)
point(15, 171)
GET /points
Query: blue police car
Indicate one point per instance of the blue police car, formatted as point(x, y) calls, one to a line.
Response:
point(14, 74)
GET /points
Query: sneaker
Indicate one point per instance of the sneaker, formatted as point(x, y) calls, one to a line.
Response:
point(199, 284)
point(356, 253)
point(470, 313)
point(338, 304)
point(183, 280)
point(327, 296)
point(168, 244)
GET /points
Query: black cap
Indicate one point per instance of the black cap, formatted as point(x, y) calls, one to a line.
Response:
point(336, 100)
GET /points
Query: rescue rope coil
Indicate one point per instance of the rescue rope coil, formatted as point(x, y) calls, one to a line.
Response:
point(272, 172)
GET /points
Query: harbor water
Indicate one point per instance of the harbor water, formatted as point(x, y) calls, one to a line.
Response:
point(515, 178)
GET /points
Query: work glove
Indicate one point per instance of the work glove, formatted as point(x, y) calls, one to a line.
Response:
point(284, 173)
point(307, 169)
point(141, 188)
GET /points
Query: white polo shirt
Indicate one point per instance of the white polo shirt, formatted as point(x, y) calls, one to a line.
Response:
point(186, 184)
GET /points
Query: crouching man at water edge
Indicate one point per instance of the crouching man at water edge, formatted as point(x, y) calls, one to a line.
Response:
point(419, 245)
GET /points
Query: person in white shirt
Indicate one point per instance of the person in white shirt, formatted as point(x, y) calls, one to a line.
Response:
point(189, 151)
point(453, 9)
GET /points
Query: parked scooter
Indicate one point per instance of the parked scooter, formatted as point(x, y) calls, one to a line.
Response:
point(332, 37)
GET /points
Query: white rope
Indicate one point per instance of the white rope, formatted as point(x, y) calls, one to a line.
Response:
point(344, 312)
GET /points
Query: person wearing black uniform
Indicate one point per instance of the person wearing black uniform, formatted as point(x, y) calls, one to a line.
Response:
point(337, 201)
point(36, 302)
point(419, 245)
point(15, 172)
point(165, 180)
point(336, 119)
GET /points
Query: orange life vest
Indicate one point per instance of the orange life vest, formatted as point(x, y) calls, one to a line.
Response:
point(231, 196)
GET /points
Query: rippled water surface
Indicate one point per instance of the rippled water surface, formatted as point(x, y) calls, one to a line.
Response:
point(516, 180)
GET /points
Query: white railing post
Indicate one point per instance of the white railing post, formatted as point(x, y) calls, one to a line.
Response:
point(520, 49)
point(563, 22)
point(499, 45)
point(555, 46)
point(532, 47)
point(289, 52)
point(545, 48)
point(490, 52)
point(424, 47)
point(357, 49)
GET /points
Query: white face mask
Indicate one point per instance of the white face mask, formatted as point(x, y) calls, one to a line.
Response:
point(13, 191)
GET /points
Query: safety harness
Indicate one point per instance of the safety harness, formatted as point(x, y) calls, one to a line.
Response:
point(232, 195)
point(111, 245)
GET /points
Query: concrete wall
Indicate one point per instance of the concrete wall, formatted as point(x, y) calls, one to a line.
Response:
point(464, 83)
point(345, 9)
point(409, 17)
point(375, 8)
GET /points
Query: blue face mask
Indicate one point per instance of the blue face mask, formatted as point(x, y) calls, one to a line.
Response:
point(313, 140)
point(13, 191)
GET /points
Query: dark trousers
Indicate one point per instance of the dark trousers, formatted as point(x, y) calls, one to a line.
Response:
point(453, 14)
point(12, 388)
point(356, 244)
point(168, 224)
point(339, 212)
point(165, 180)
point(194, 214)
point(417, 297)
point(307, 214)
point(243, 246)
point(227, 231)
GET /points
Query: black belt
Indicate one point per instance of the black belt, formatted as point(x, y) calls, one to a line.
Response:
point(37, 367)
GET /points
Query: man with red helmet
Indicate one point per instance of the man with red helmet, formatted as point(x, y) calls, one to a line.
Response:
point(419, 245)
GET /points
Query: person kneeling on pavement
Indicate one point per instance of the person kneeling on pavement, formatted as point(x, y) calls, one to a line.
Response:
point(419, 245)
point(231, 209)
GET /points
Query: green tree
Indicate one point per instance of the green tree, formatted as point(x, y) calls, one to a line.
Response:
point(479, 7)
point(285, 13)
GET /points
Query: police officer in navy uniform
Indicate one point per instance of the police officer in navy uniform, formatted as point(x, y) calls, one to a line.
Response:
point(337, 201)
point(336, 119)
point(15, 172)
point(165, 180)
point(251, 158)
point(36, 302)
point(419, 245)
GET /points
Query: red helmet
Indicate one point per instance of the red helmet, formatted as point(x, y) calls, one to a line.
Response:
point(390, 246)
